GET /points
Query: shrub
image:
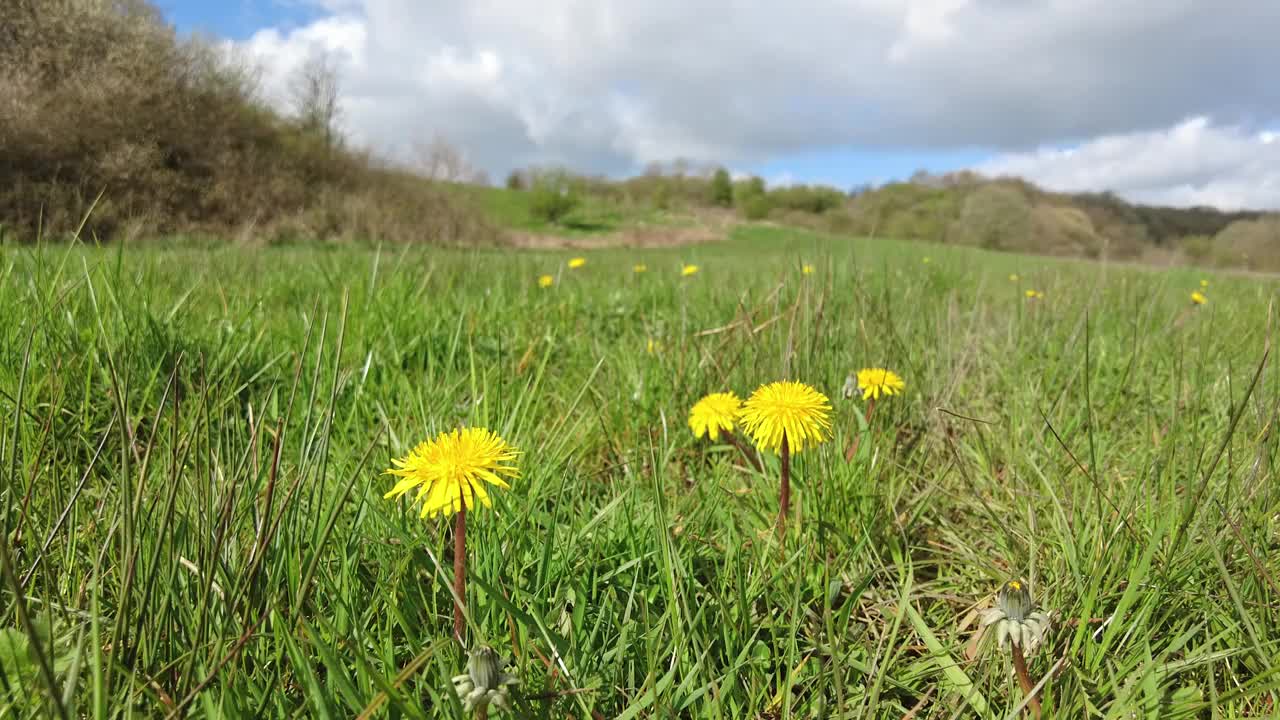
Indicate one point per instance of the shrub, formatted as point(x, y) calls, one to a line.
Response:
point(995, 217)
point(106, 114)
point(756, 207)
point(721, 188)
point(553, 196)
point(815, 199)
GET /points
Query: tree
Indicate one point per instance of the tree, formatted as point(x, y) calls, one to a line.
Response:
point(314, 94)
point(441, 160)
point(721, 188)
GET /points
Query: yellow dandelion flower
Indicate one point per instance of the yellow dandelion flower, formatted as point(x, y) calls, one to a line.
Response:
point(546, 281)
point(713, 413)
point(875, 382)
point(688, 270)
point(575, 263)
point(450, 471)
point(1013, 277)
point(1204, 283)
point(807, 269)
point(653, 347)
point(1034, 294)
point(1199, 298)
point(639, 268)
point(787, 408)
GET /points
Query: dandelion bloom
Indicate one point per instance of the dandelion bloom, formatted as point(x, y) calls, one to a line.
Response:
point(639, 268)
point(786, 408)
point(713, 413)
point(546, 281)
point(1013, 277)
point(875, 382)
point(1034, 294)
point(575, 263)
point(450, 471)
point(1204, 283)
point(653, 347)
point(1199, 298)
point(807, 269)
point(688, 270)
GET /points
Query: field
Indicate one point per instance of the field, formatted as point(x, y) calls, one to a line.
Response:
point(193, 443)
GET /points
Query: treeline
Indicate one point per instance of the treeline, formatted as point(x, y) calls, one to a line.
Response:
point(112, 126)
point(957, 208)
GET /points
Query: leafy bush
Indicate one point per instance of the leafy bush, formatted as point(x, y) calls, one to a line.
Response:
point(815, 199)
point(553, 196)
point(721, 188)
point(756, 207)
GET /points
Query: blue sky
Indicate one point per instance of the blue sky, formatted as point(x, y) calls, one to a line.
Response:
point(235, 19)
point(1088, 95)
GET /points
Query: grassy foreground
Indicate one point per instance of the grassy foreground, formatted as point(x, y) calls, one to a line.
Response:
point(192, 444)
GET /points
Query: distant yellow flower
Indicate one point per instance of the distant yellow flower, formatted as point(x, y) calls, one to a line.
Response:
point(1204, 283)
point(450, 471)
point(1013, 277)
point(639, 268)
point(926, 259)
point(1034, 294)
point(807, 269)
point(787, 408)
point(688, 270)
point(874, 382)
point(546, 281)
point(575, 263)
point(653, 347)
point(713, 413)
point(1199, 298)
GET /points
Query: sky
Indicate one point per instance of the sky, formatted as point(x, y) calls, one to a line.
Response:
point(1166, 102)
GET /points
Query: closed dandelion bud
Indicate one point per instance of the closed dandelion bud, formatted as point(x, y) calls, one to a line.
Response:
point(1015, 618)
point(484, 683)
point(1015, 601)
point(483, 668)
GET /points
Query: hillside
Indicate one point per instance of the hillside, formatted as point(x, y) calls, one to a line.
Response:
point(115, 128)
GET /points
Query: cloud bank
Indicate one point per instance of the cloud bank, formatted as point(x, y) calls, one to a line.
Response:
point(610, 85)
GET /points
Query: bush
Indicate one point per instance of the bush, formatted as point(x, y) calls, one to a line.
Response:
point(721, 188)
point(815, 199)
point(995, 217)
point(553, 196)
point(756, 207)
point(108, 115)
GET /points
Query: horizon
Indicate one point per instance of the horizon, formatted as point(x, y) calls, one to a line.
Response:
point(1070, 98)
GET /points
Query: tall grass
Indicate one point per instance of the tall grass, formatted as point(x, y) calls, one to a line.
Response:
point(192, 443)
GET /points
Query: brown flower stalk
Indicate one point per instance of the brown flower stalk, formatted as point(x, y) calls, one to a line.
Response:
point(784, 493)
point(459, 572)
point(1024, 679)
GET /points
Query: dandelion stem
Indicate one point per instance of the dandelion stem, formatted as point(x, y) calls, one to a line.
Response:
point(459, 570)
point(1020, 667)
point(784, 494)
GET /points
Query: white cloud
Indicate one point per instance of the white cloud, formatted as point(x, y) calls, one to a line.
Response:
point(610, 85)
point(1194, 162)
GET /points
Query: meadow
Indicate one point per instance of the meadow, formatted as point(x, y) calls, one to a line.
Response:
point(194, 439)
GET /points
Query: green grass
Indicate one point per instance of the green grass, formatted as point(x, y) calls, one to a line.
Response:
point(192, 443)
point(594, 215)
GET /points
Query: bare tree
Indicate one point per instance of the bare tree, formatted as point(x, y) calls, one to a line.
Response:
point(441, 160)
point(314, 94)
